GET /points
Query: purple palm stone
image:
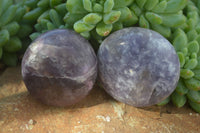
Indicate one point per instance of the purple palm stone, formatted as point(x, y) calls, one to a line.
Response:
point(138, 66)
point(59, 68)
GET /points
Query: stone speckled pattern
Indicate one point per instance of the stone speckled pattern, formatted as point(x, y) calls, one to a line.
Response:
point(59, 68)
point(138, 66)
point(97, 113)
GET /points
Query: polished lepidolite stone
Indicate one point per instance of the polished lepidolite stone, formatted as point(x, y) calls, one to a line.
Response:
point(59, 68)
point(138, 66)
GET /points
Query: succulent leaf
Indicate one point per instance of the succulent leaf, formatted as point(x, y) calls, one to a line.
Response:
point(192, 34)
point(159, 8)
point(75, 7)
point(135, 8)
point(163, 30)
point(103, 29)
point(175, 5)
point(173, 20)
point(191, 64)
point(150, 4)
point(92, 18)
point(186, 73)
point(80, 26)
point(194, 106)
point(178, 100)
point(125, 14)
point(194, 96)
point(143, 22)
point(4, 37)
point(181, 58)
point(181, 89)
point(193, 84)
point(193, 47)
point(131, 21)
point(153, 18)
point(122, 3)
point(87, 4)
point(111, 17)
point(98, 8)
point(164, 102)
point(108, 6)
point(141, 3)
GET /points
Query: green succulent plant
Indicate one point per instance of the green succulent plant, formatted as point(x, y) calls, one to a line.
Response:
point(98, 18)
point(186, 41)
point(160, 15)
point(45, 15)
point(11, 25)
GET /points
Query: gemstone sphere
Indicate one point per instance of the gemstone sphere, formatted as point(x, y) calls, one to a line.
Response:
point(59, 68)
point(138, 66)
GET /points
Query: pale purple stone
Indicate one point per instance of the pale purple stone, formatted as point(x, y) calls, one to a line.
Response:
point(138, 66)
point(59, 68)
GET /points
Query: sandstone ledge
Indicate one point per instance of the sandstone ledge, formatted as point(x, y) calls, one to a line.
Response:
point(97, 113)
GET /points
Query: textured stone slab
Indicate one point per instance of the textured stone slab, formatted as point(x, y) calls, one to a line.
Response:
point(97, 113)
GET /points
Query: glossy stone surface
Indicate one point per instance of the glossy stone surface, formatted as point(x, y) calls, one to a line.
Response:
point(59, 68)
point(138, 66)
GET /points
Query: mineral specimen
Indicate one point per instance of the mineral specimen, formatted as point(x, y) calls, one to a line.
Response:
point(138, 66)
point(59, 68)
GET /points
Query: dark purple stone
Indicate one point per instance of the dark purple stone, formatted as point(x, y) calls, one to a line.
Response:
point(59, 68)
point(138, 66)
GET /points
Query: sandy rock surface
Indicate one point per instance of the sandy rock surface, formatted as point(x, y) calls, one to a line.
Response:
point(97, 113)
